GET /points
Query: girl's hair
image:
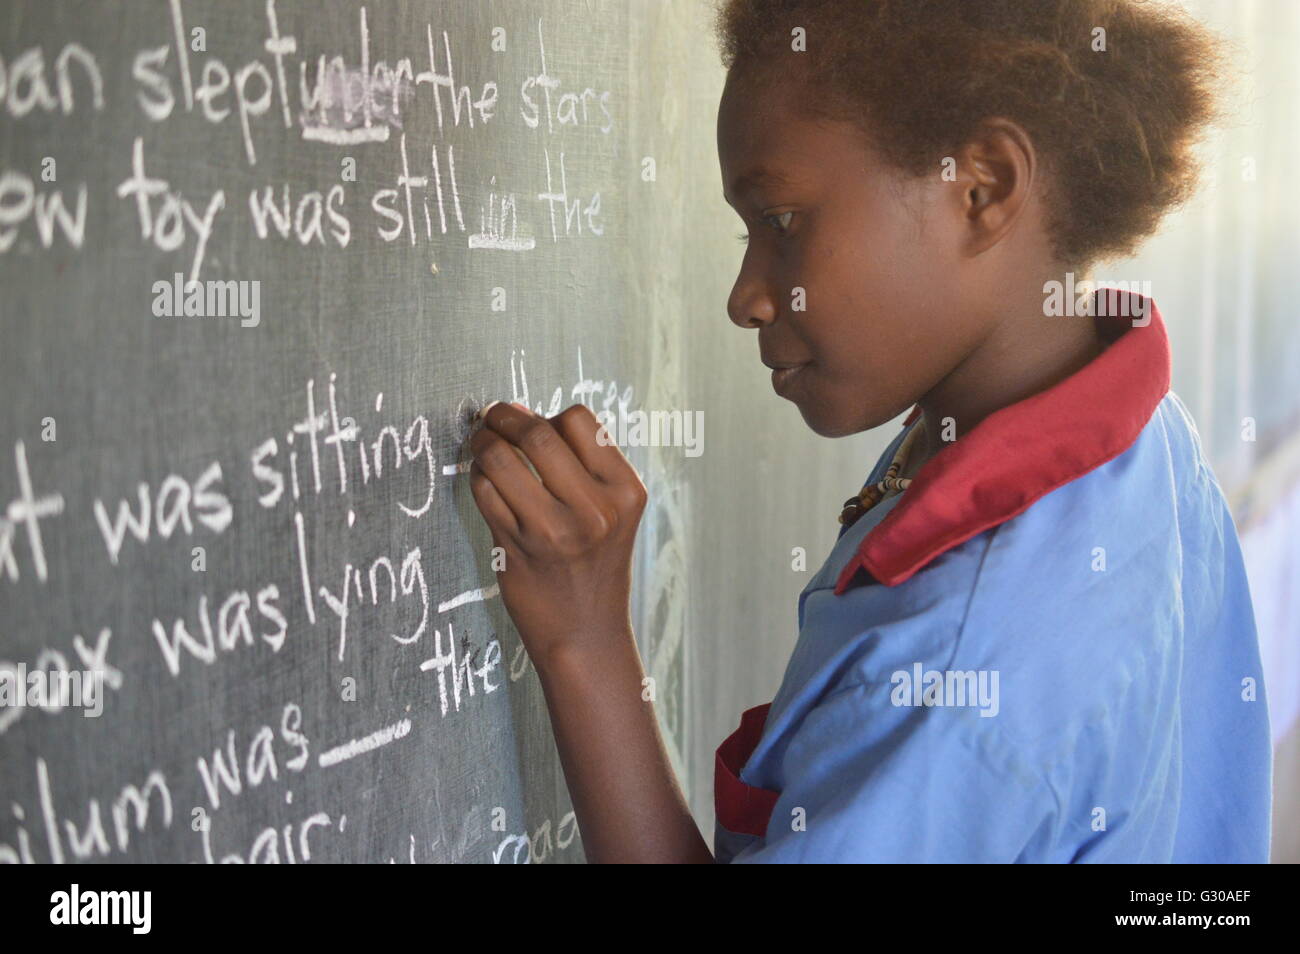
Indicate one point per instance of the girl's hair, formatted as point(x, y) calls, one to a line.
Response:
point(1114, 116)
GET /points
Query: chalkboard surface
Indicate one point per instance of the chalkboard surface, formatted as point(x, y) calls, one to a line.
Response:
point(259, 262)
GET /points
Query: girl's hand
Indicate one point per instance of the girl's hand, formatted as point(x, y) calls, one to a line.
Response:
point(567, 537)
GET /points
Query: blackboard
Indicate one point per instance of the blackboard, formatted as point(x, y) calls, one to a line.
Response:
point(259, 263)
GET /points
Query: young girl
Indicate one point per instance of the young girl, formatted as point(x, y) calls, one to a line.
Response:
point(1033, 640)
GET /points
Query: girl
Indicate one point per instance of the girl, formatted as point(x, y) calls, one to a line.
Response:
point(1033, 640)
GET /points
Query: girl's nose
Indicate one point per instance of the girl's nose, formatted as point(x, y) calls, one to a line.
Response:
point(749, 307)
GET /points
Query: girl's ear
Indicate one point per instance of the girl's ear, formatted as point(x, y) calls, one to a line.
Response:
point(987, 179)
point(996, 172)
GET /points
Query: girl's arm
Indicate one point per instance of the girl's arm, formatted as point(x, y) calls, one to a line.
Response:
point(568, 534)
point(628, 803)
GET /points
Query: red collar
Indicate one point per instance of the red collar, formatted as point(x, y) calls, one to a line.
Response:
point(1024, 450)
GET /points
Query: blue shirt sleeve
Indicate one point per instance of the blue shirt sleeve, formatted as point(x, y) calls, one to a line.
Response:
point(870, 781)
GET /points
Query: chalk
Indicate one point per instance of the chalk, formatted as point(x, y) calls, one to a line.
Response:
point(477, 423)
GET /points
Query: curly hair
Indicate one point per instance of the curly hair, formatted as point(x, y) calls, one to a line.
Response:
point(1115, 128)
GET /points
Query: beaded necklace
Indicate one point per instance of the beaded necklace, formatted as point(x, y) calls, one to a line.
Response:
point(887, 486)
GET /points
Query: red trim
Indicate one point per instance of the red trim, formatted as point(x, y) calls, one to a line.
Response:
point(741, 808)
point(1023, 451)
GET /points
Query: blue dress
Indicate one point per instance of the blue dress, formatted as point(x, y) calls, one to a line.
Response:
point(1042, 651)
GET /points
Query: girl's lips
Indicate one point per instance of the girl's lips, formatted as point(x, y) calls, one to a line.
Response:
point(781, 377)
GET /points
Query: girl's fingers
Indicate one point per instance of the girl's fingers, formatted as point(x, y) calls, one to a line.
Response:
point(564, 475)
point(495, 511)
point(497, 459)
point(580, 429)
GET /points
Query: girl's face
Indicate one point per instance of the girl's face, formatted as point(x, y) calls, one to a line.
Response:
point(851, 276)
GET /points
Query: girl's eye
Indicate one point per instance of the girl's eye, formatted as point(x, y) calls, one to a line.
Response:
point(778, 215)
point(744, 238)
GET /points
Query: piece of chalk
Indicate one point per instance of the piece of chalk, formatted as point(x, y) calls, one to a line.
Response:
point(482, 412)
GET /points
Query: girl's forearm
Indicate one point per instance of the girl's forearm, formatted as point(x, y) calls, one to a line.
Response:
point(625, 795)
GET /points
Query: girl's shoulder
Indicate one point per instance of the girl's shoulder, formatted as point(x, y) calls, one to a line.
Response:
point(1093, 589)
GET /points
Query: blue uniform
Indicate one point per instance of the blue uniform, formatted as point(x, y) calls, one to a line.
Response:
point(1042, 651)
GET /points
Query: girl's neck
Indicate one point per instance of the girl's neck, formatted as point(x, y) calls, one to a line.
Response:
point(1021, 358)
